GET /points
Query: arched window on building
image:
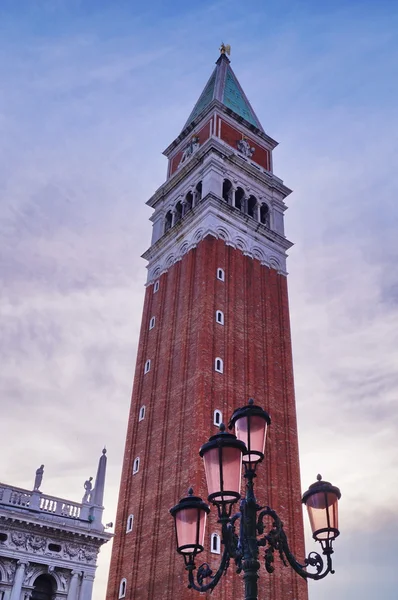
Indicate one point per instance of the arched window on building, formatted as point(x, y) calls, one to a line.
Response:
point(217, 417)
point(141, 415)
point(178, 212)
point(219, 365)
point(188, 201)
point(264, 214)
point(220, 274)
point(215, 544)
point(252, 207)
point(152, 323)
point(198, 192)
point(147, 367)
point(227, 191)
point(220, 317)
point(129, 525)
point(168, 220)
point(44, 587)
point(122, 588)
point(156, 287)
point(136, 465)
point(240, 199)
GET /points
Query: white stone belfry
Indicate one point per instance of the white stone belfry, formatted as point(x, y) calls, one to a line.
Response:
point(49, 545)
point(226, 188)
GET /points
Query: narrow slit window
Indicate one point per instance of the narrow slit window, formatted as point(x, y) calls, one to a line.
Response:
point(220, 317)
point(130, 521)
point(147, 367)
point(220, 274)
point(152, 323)
point(156, 287)
point(141, 415)
point(217, 417)
point(136, 465)
point(219, 365)
point(122, 588)
point(215, 543)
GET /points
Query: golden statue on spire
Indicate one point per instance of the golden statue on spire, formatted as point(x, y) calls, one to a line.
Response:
point(225, 49)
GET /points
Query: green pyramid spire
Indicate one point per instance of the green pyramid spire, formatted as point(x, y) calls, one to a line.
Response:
point(224, 87)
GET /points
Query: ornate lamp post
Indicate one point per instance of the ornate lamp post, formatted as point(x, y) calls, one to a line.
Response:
point(223, 456)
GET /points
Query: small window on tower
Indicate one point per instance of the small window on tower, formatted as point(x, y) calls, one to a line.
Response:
point(141, 415)
point(218, 365)
point(156, 287)
point(152, 323)
point(136, 465)
point(130, 521)
point(217, 418)
point(147, 367)
point(122, 588)
point(220, 274)
point(220, 317)
point(215, 543)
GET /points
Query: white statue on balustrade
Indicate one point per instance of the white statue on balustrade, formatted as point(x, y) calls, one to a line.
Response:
point(39, 477)
point(88, 491)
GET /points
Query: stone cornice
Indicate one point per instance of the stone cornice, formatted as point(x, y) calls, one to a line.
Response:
point(66, 529)
point(221, 108)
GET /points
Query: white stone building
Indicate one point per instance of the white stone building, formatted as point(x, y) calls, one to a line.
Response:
point(49, 545)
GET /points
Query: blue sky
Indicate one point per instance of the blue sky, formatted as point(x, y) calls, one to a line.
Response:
point(92, 92)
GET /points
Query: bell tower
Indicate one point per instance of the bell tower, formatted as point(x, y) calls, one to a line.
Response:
point(215, 331)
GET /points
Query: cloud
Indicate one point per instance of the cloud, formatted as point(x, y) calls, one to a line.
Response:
point(84, 115)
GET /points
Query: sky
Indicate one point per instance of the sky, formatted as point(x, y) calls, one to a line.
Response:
point(91, 94)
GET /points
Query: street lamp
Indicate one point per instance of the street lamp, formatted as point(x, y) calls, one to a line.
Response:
point(223, 456)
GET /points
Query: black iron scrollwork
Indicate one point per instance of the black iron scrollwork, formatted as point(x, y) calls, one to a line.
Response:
point(204, 572)
point(245, 546)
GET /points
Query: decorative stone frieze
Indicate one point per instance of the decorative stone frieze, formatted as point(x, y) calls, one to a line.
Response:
point(214, 217)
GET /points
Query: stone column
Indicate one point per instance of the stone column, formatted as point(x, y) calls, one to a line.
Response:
point(258, 207)
point(173, 218)
point(86, 589)
point(233, 197)
point(18, 580)
point(73, 586)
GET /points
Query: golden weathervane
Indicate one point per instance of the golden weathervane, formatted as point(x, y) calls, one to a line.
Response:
point(225, 49)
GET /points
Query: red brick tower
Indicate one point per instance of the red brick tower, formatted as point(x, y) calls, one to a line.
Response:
point(215, 332)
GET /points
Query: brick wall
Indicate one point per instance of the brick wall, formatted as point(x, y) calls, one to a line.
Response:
point(180, 393)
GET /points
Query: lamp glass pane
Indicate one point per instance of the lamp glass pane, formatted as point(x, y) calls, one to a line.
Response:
point(231, 472)
point(186, 525)
point(323, 514)
point(258, 432)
